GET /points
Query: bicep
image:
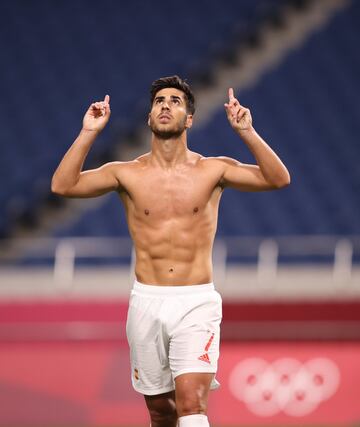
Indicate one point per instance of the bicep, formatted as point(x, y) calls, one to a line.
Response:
point(243, 177)
point(95, 182)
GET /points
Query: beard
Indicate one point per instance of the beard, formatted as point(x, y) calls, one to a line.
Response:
point(168, 131)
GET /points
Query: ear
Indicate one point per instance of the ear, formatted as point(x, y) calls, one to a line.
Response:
point(189, 121)
point(148, 122)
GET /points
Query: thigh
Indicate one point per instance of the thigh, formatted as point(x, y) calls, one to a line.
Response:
point(194, 343)
point(148, 344)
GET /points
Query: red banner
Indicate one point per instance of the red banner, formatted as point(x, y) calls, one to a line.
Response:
point(288, 383)
point(72, 383)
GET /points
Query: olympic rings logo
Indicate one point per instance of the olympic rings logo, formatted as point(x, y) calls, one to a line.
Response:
point(285, 385)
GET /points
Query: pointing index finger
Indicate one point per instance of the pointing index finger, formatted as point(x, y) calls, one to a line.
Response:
point(231, 94)
point(107, 99)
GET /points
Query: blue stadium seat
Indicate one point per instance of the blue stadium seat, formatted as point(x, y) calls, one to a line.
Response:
point(307, 108)
point(57, 57)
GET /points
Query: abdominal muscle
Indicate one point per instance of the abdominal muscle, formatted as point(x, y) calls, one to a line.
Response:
point(176, 252)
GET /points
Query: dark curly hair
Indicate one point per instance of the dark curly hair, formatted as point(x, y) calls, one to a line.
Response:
point(177, 83)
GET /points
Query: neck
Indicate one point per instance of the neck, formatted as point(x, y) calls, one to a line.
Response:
point(169, 152)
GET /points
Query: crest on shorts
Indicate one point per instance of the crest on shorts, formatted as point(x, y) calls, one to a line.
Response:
point(136, 374)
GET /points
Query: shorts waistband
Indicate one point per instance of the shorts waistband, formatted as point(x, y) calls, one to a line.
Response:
point(143, 289)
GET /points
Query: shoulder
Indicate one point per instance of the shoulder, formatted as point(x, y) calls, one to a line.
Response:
point(141, 160)
point(219, 162)
point(118, 166)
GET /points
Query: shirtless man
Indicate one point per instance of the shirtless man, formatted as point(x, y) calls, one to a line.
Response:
point(171, 197)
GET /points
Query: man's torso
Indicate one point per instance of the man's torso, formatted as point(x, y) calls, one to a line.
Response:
point(172, 218)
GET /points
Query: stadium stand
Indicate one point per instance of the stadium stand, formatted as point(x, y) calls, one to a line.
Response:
point(57, 57)
point(307, 109)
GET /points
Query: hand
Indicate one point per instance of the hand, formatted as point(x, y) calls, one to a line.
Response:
point(97, 115)
point(238, 116)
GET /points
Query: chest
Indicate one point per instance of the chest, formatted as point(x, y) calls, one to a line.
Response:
point(167, 194)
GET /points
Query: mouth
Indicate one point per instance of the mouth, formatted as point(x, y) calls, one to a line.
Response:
point(165, 117)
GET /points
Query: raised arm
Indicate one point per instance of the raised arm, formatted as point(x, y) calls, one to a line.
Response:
point(269, 173)
point(68, 180)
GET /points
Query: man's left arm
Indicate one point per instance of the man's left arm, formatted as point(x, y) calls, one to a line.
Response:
point(270, 173)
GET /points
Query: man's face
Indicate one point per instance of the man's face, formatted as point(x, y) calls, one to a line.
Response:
point(168, 117)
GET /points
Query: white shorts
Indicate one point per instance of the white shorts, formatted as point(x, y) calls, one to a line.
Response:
point(172, 330)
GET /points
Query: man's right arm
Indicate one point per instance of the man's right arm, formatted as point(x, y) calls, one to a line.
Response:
point(68, 179)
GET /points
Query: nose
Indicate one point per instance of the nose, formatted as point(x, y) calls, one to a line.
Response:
point(165, 106)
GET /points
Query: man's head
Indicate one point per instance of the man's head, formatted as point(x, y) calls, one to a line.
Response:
point(177, 83)
point(172, 107)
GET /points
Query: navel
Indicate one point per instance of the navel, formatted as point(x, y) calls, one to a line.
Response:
point(171, 270)
point(146, 211)
point(196, 209)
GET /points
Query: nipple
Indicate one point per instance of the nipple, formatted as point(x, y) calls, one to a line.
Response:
point(196, 209)
point(146, 212)
point(171, 270)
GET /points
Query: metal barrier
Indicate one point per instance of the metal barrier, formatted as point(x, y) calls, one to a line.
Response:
point(259, 260)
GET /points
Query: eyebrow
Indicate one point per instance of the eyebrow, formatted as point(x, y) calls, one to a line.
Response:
point(172, 97)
